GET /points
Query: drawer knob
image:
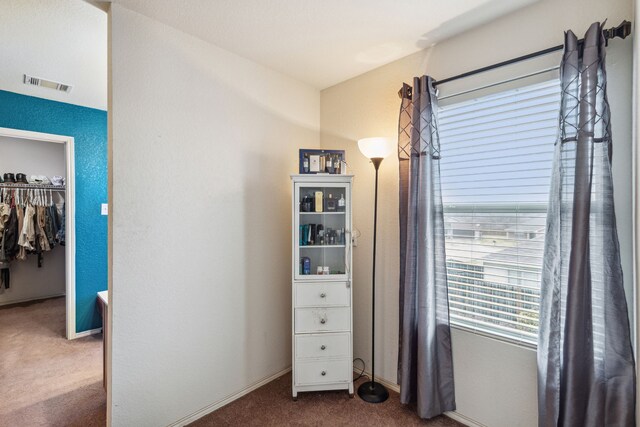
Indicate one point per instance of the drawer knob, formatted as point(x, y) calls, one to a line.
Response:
point(323, 347)
point(322, 295)
point(323, 321)
point(323, 373)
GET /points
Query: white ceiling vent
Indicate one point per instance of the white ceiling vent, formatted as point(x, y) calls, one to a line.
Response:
point(37, 81)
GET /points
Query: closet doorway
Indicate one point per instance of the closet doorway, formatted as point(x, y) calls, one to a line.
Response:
point(65, 148)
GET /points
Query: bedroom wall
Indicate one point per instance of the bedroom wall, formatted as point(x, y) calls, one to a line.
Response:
point(495, 381)
point(200, 204)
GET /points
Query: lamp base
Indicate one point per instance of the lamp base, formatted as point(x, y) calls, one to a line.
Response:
point(373, 392)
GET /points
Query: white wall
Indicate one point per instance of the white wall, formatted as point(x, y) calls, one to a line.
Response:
point(27, 280)
point(202, 144)
point(495, 381)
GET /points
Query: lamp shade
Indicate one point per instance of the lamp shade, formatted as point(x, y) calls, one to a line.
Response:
point(377, 147)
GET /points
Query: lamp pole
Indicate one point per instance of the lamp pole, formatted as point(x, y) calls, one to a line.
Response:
point(372, 391)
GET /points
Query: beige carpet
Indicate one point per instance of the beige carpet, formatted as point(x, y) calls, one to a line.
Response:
point(271, 405)
point(46, 380)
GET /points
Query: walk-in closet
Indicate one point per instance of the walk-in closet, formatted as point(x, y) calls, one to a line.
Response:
point(32, 209)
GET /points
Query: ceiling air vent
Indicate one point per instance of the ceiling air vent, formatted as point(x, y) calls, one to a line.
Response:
point(37, 81)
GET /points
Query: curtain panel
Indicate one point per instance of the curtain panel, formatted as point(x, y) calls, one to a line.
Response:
point(425, 366)
point(585, 360)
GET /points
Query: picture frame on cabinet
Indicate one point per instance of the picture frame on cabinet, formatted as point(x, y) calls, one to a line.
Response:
point(316, 161)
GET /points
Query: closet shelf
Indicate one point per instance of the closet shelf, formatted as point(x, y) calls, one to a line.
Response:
point(33, 186)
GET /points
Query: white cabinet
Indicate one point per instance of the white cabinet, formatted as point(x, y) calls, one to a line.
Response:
point(322, 313)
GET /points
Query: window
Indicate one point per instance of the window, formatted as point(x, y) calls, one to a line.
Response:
point(496, 160)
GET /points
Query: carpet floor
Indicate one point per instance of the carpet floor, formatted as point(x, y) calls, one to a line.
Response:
point(271, 405)
point(45, 379)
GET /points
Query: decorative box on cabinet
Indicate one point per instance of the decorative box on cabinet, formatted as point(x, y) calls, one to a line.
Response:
point(322, 315)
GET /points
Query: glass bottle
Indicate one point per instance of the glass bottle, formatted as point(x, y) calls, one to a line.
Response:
point(342, 203)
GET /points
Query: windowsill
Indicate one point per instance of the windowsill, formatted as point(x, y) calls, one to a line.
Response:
point(506, 340)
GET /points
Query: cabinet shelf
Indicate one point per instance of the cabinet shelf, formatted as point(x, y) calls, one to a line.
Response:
point(322, 213)
point(321, 246)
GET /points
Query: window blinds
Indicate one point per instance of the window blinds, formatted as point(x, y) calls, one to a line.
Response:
point(496, 160)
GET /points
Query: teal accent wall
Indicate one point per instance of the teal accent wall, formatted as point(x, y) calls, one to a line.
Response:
point(88, 126)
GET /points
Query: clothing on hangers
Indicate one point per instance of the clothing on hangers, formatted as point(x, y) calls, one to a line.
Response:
point(30, 223)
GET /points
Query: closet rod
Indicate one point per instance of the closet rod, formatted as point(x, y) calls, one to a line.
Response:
point(34, 186)
point(623, 30)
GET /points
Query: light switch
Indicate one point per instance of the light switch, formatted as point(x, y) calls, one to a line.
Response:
point(105, 209)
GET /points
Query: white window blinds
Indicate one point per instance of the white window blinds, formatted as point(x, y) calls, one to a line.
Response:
point(496, 160)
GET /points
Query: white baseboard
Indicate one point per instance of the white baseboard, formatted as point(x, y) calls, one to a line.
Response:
point(219, 404)
point(453, 414)
point(86, 333)
point(391, 385)
point(463, 419)
point(19, 301)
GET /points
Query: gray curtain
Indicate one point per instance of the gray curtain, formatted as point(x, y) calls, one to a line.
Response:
point(425, 368)
point(585, 361)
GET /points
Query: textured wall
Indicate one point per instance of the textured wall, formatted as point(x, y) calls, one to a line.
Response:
point(203, 142)
point(89, 128)
point(495, 381)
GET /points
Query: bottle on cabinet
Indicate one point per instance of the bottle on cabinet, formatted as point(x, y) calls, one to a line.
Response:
point(330, 204)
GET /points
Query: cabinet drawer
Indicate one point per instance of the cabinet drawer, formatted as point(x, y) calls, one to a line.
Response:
point(322, 319)
point(322, 294)
point(323, 371)
point(322, 345)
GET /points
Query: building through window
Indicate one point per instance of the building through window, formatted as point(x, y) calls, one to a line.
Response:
point(497, 153)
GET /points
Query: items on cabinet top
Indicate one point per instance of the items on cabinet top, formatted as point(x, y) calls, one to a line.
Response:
point(314, 161)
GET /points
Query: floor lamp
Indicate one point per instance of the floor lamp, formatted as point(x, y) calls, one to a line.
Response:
point(375, 149)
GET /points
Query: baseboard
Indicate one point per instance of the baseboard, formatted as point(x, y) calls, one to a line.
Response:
point(20, 301)
point(395, 387)
point(388, 384)
point(463, 419)
point(86, 333)
point(219, 404)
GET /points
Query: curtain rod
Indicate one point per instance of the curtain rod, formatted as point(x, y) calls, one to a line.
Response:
point(623, 30)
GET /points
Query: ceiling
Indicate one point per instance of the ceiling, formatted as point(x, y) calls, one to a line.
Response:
point(60, 40)
point(321, 42)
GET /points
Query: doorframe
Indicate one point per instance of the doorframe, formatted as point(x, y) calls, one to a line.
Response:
point(70, 215)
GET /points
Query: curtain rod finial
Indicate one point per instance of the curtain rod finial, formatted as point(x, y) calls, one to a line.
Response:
point(623, 31)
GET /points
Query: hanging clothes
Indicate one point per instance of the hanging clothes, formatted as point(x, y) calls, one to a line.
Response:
point(5, 210)
point(5, 275)
point(4, 262)
point(60, 237)
point(30, 223)
point(11, 234)
point(48, 229)
point(28, 232)
point(41, 224)
point(22, 251)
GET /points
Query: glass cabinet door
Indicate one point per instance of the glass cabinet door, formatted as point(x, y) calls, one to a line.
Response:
point(322, 237)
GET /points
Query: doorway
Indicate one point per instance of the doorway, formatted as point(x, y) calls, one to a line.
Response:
point(70, 246)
